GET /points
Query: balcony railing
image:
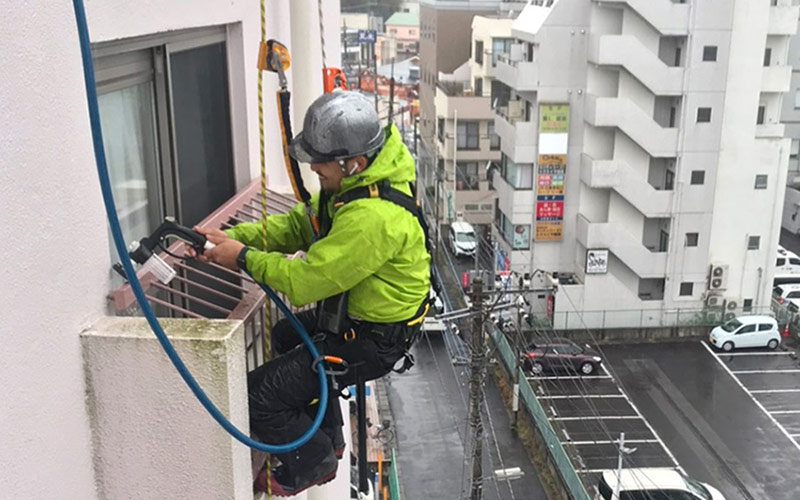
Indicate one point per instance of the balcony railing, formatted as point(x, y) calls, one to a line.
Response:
point(210, 291)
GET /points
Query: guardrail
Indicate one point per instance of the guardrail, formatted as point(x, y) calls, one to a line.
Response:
point(650, 318)
point(555, 451)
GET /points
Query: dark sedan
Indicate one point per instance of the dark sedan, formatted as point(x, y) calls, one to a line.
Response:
point(560, 355)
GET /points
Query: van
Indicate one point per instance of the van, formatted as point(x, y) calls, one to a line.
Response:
point(462, 239)
point(654, 483)
point(787, 262)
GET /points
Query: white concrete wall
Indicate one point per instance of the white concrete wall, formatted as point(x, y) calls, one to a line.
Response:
point(55, 280)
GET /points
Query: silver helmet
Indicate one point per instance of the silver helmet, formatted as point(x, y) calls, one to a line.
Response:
point(338, 125)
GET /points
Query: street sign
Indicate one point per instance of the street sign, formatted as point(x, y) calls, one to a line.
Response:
point(367, 36)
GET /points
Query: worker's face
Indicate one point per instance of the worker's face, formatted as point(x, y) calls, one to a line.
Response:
point(330, 173)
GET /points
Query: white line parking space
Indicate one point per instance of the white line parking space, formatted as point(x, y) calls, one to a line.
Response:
point(588, 413)
point(772, 381)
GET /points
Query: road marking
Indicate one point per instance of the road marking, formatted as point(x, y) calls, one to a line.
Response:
point(750, 395)
point(569, 377)
point(773, 391)
point(616, 441)
point(600, 417)
point(759, 372)
point(583, 396)
point(757, 354)
point(785, 412)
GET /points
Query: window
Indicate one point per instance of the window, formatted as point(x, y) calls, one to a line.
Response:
point(167, 133)
point(468, 135)
point(500, 46)
point(440, 129)
point(760, 118)
point(691, 239)
point(698, 177)
point(494, 139)
point(764, 327)
point(748, 305)
point(753, 242)
point(478, 55)
point(478, 87)
point(467, 176)
point(686, 289)
point(761, 181)
point(392, 31)
point(746, 329)
point(519, 176)
point(703, 115)
point(767, 56)
point(710, 53)
point(795, 149)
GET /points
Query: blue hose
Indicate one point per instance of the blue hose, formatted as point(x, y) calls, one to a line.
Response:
point(119, 242)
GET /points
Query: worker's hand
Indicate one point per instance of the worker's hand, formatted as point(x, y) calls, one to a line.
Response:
point(214, 235)
point(224, 254)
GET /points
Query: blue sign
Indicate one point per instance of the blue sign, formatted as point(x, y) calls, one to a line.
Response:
point(367, 36)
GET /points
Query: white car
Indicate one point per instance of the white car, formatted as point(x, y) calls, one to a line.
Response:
point(786, 292)
point(462, 239)
point(787, 262)
point(655, 482)
point(746, 331)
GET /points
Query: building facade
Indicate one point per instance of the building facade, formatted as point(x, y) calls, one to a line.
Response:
point(48, 301)
point(643, 154)
point(467, 145)
point(790, 117)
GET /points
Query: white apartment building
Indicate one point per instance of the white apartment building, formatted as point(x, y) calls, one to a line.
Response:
point(790, 116)
point(60, 435)
point(466, 141)
point(642, 149)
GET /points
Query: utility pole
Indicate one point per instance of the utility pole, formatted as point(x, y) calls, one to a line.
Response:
point(622, 451)
point(391, 94)
point(515, 375)
point(477, 374)
point(416, 121)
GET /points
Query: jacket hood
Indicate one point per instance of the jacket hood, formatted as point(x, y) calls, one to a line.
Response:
point(394, 162)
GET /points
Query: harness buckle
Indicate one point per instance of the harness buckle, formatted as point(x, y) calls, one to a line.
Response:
point(349, 335)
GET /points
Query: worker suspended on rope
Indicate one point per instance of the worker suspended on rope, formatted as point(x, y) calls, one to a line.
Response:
point(368, 269)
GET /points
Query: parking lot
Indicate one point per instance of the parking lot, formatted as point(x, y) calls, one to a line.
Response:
point(589, 413)
point(730, 420)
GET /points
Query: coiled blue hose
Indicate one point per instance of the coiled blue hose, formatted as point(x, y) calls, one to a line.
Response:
point(119, 243)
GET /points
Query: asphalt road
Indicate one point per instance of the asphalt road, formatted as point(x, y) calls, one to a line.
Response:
point(709, 421)
point(429, 404)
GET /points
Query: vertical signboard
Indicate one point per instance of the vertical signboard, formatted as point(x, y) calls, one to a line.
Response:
point(551, 170)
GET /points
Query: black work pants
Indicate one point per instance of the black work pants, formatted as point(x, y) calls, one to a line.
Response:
point(281, 390)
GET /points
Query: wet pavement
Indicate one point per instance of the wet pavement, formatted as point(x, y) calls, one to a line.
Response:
point(429, 404)
point(708, 410)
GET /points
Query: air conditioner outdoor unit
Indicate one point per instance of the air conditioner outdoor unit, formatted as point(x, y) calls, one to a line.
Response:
point(718, 279)
point(713, 301)
point(732, 305)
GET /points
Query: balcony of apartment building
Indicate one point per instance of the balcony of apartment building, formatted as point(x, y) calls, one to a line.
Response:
point(669, 17)
point(655, 131)
point(661, 73)
point(518, 68)
point(768, 123)
point(516, 125)
point(783, 17)
point(644, 254)
point(512, 181)
point(777, 74)
point(651, 195)
point(457, 99)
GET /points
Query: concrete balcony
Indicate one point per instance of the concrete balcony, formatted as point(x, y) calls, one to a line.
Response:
point(624, 245)
point(625, 115)
point(776, 79)
point(770, 131)
point(517, 138)
point(783, 19)
point(627, 51)
point(622, 178)
point(521, 76)
point(667, 17)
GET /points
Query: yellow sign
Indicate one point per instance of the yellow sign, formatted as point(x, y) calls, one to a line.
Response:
point(548, 231)
point(553, 118)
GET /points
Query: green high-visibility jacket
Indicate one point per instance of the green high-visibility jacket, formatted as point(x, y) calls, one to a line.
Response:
point(375, 248)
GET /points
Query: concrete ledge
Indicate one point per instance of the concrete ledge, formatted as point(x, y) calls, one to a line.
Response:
point(151, 437)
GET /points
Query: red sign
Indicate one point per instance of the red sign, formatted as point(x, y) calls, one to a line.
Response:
point(550, 210)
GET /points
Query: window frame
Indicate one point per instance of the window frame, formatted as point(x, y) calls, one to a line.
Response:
point(710, 53)
point(703, 118)
point(692, 239)
point(753, 242)
point(764, 181)
point(701, 176)
point(468, 137)
point(684, 286)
